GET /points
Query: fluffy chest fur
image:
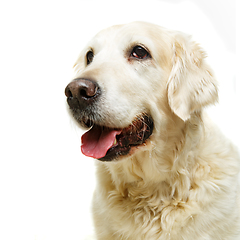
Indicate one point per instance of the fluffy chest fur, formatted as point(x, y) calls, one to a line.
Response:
point(183, 201)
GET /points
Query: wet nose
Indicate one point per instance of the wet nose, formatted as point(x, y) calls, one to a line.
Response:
point(81, 92)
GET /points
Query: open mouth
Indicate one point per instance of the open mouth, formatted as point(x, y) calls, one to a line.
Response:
point(107, 144)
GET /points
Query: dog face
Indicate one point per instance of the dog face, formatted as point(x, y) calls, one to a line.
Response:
point(131, 80)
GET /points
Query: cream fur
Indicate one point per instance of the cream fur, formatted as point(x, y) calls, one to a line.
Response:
point(182, 185)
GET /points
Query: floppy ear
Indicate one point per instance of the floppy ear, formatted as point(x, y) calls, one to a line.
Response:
point(191, 84)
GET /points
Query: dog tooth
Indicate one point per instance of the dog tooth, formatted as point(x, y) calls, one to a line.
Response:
point(115, 141)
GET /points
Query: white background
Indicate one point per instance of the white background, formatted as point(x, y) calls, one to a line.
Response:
point(46, 184)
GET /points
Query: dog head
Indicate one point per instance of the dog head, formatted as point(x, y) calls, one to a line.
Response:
point(130, 80)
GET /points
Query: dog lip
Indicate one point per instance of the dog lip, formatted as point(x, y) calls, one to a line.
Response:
point(136, 134)
point(87, 122)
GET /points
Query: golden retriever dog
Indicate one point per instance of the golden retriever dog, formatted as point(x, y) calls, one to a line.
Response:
point(164, 170)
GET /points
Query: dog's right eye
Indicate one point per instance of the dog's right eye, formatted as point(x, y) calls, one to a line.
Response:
point(139, 52)
point(89, 57)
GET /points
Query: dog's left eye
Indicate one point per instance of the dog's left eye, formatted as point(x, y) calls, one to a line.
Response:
point(89, 57)
point(139, 52)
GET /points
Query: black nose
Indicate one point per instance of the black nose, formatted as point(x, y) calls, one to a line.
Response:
point(81, 92)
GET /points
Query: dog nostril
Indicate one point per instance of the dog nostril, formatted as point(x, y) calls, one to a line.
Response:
point(68, 92)
point(88, 91)
point(83, 93)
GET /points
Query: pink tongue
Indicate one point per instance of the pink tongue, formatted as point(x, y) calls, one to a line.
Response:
point(97, 141)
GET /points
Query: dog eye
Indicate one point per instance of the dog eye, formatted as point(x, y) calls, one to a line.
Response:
point(139, 52)
point(89, 57)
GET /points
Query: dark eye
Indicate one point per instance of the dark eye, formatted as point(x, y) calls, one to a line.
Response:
point(139, 52)
point(89, 57)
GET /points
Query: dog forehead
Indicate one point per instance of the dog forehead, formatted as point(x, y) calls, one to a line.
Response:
point(122, 36)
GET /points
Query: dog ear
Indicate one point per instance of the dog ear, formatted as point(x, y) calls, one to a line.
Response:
point(191, 84)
